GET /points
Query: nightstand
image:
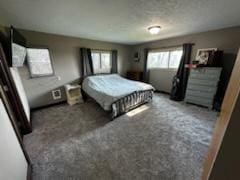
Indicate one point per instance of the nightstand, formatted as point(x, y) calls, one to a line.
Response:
point(73, 93)
point(135, 75)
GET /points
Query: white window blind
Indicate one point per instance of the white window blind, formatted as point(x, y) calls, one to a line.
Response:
point(101, 62)
point(18, 55)
point(39, 62)
point(167, 59)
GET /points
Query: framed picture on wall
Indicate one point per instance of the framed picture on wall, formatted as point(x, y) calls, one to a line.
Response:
point(203, 55)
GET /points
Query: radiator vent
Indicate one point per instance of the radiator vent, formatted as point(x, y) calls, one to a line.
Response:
point(56, 94)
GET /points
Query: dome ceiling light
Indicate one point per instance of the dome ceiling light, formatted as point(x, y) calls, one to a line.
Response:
point(154, 29)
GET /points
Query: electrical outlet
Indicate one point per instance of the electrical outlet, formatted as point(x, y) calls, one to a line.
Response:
point(56, 94)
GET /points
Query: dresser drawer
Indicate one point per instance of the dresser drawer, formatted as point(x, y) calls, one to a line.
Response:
point(207, 89)
point(200, 93)
point(211, 77)
point(203, 82)
point(202, 85)
point(200, 101)
point(207, 70)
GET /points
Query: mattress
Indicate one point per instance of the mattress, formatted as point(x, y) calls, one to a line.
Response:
point(106, 89)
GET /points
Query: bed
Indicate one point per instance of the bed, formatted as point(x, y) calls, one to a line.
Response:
point(115, 93)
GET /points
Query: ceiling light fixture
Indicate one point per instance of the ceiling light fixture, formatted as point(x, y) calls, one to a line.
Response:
point(154, 29)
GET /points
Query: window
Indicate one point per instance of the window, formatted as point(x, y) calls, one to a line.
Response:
point(101, 62)
point(39, 62)
point(167, 59)
point(18, 55)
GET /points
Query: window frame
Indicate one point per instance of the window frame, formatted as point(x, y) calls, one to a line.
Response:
point(169, 50)
point(100, 52)
point(51, 64)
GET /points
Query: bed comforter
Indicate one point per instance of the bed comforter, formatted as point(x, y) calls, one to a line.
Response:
point(106, 89)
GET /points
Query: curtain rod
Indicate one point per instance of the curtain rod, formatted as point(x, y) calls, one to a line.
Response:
point(166, 47)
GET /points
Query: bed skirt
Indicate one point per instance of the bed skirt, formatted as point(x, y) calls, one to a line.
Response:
point(130, 102)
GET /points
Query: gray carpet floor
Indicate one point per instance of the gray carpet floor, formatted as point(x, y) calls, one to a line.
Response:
point(160, 140)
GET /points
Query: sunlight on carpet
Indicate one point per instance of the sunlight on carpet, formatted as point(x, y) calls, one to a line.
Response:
point(137, 111)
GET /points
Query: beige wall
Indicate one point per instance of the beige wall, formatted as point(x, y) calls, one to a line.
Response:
point(162, 79)
point(227, 40)
point(65, 57)
point(3, 20)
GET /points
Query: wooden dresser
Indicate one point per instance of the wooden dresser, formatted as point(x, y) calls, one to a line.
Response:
point(135, 75)
point(202, 86)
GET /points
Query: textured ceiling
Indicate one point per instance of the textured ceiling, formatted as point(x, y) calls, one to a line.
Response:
point(123, 21)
